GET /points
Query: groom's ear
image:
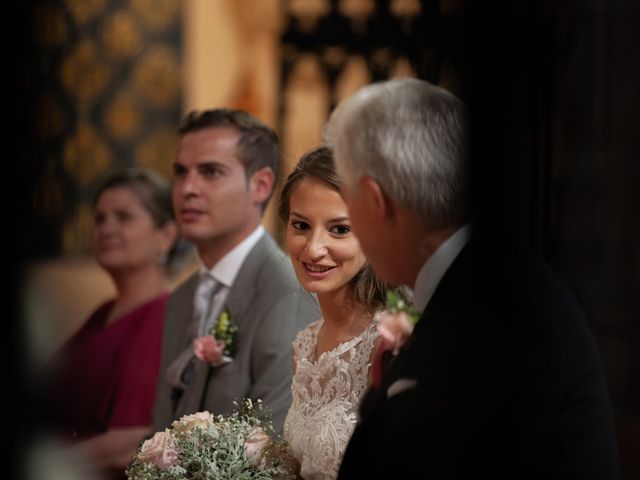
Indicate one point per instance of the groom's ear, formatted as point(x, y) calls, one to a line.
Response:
point(378, 202)
point(261, 184)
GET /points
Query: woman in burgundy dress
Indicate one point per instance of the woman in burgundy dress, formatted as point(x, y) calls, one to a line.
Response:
point(103, 379)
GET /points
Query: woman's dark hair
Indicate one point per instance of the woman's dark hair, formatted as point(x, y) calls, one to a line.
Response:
point(152, 189)
point(318, 164)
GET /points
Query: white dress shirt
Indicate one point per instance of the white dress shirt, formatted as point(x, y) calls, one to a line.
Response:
point(435, 267)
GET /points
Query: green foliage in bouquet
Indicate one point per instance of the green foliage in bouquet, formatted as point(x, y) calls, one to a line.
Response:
point(202, 446)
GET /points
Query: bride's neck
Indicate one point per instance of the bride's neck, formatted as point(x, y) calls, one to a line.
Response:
point(342, 314)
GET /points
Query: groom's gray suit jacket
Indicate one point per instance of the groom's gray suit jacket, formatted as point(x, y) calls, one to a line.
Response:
point(269, 307)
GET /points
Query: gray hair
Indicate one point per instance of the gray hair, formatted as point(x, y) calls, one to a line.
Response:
point(410, 136)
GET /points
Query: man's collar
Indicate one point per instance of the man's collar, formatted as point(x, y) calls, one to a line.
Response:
point(227, 268)
point(435, 267)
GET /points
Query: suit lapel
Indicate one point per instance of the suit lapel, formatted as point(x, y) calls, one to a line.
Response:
point(191, 400)
point(189, 293)
point(244, 287)
point(396, 369)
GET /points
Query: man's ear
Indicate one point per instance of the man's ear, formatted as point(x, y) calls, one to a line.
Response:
point(378, 202)
point(261, 184)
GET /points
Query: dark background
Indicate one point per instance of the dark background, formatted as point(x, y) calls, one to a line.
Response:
point(554, 90)
point(554, 86)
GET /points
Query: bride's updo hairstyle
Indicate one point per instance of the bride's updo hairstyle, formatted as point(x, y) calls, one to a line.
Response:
point(317, 164)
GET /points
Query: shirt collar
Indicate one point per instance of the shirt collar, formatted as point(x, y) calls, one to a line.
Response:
point(226, 270)
point(435, 267)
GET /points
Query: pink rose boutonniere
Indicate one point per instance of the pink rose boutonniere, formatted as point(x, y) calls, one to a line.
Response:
point(397, 321)
point(219, 346)
point(395, 326)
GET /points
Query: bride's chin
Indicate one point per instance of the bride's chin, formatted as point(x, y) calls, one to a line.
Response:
point(313, 287)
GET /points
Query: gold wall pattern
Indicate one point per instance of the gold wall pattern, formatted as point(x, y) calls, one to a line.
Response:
point(108, 79)
point(330, 48)
point(112, 89)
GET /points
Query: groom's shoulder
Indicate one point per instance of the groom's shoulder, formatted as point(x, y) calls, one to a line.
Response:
point(186, 287)
point(182, 294)
point(270, 266)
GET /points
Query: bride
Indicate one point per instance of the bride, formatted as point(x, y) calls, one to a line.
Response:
point(333, 355)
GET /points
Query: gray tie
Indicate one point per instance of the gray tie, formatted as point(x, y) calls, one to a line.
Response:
point(207, 290)
point(180, 371)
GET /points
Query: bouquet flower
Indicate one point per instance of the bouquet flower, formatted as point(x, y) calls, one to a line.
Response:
point(202, 446)
point(219, 346)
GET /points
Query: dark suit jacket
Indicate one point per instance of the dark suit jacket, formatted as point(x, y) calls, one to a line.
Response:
point(269, 307)
point(501, 378)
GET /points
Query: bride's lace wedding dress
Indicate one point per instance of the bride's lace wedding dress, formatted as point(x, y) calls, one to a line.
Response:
point(325, 396)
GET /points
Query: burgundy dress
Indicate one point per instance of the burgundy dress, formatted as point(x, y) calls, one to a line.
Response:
point(105, 376)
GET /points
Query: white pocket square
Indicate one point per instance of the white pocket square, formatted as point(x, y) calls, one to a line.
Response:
point(401, 385)
point(223, 361)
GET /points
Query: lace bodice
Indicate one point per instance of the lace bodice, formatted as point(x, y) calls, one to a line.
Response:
point(325, 396)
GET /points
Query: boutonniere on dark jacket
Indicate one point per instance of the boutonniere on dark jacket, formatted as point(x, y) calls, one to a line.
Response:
point(395, 325)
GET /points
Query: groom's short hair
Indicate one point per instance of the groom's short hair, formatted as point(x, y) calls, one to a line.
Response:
point(411, 137)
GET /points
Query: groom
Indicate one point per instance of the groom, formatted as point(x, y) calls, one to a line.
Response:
point(500, 376)
point(224, 175)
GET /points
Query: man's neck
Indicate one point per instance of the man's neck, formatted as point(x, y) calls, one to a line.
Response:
point(420, 241)
point(430, 242)
point(211, 253)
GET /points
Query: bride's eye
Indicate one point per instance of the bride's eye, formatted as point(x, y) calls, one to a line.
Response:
point(299, 225)
point(340, 229)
